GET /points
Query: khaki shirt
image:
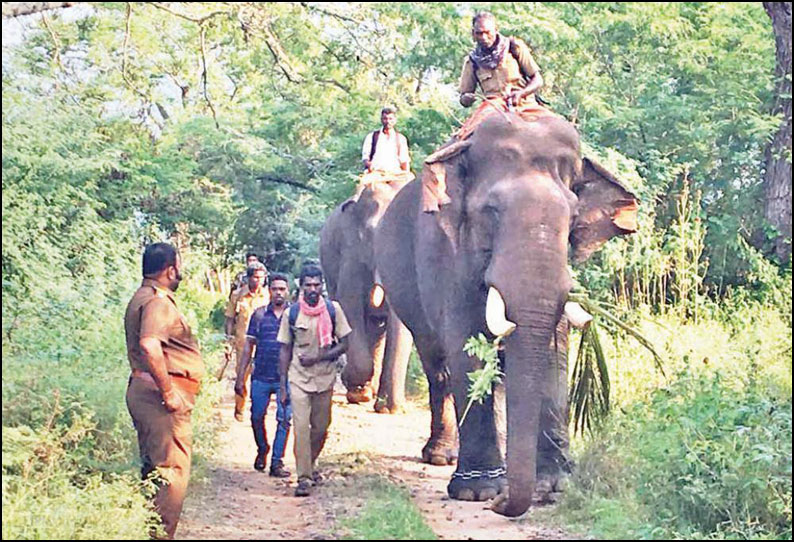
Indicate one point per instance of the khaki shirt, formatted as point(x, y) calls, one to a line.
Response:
point(241, 306)
point(320, 376)
point(239, 281)
point(503, 79)
point(152, 312)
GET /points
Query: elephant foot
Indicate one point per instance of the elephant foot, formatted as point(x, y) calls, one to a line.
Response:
point(439, 454)
point(477, 485)
point(359, 394)
point(549, 487)
point(384, 406)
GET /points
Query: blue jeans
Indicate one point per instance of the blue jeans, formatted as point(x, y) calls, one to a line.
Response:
point(260, 399)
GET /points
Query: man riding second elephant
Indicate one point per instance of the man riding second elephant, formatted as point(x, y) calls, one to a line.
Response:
point(379, 345)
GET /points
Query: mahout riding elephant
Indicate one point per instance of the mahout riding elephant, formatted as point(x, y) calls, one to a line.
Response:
point(380, 345)
point(522, 201)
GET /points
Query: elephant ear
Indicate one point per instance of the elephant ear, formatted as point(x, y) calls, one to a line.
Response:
point(440, 181)
point(347, 203)
point(605, 209)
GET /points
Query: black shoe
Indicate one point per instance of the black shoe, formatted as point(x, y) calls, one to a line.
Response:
point(279, 471)
point(261, 459)
point(303, 489)
point(317, 477)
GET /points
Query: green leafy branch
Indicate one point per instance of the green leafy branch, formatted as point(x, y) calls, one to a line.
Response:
point(483, 379)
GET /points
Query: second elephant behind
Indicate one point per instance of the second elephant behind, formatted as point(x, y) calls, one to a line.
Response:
point(379, 346)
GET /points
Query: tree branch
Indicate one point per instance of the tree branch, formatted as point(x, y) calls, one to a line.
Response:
point(56, 43)
point(291, 182)
point(17, 9)
point(197, 20)
point(124, 75)
point(204, 77)
point(335, 83)
point(329, 13)
point(280, 57)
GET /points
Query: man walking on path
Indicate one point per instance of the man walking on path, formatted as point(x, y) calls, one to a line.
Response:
point(166, 370)
point(242, 277)
point(262, 333)
point(307, 360)
point(241, 306)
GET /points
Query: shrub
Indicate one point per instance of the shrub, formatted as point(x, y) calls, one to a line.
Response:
point(701, 459)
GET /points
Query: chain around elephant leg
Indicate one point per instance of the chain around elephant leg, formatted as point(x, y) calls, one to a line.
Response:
point(477, 485)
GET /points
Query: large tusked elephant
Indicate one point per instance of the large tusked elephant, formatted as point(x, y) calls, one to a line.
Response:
point(521, 197)
point(379, 346)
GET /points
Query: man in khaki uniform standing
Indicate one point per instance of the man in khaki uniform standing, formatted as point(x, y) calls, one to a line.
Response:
point(241, 306)
point(308, 361)
point(166, 371)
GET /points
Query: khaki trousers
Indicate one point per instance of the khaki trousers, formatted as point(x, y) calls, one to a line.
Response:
point(165, 440)
point(239, 400)
point(311, 416)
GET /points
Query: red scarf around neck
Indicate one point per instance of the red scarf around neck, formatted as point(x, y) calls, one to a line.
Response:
point(325, 328)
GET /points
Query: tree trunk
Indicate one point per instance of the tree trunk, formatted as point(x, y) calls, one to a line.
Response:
point(777, 177)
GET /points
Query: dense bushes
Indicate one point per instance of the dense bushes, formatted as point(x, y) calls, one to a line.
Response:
point(703, 454)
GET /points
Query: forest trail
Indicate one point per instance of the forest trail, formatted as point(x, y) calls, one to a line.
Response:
point(239, 503)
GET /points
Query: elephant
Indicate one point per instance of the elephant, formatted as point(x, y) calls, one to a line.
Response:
point(522, 202)
point(380, 345)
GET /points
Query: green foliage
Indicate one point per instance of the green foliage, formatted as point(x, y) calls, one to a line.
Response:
point(416, 385)
point(701, 459)
point(69, 448)
point(482, 380)
point(588, 394)
point(389, 514)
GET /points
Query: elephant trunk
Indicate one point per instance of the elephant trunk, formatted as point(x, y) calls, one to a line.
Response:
point(352, 293)
point(526, 357)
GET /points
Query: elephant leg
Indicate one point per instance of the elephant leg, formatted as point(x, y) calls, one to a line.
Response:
point(553, 459)
point(442, 446)
point(391, 387)
point(481, 474)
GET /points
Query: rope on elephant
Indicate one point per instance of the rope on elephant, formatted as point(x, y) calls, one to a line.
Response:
point(478, 474)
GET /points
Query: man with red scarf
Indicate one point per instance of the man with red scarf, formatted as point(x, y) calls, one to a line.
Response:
point(311, 341)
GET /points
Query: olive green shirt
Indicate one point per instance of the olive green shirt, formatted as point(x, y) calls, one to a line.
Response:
point(321, 376)
point(503, 79)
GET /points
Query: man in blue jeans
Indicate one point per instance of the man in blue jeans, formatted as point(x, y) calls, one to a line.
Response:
point(262, 331)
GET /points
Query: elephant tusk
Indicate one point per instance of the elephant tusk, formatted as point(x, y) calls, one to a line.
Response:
point(577, 316)
point(377, 296)
point(495, 317)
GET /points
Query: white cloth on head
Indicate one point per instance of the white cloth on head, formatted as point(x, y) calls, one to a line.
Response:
point(390, 151)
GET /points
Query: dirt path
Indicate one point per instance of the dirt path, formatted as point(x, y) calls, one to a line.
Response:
point(239, 503)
